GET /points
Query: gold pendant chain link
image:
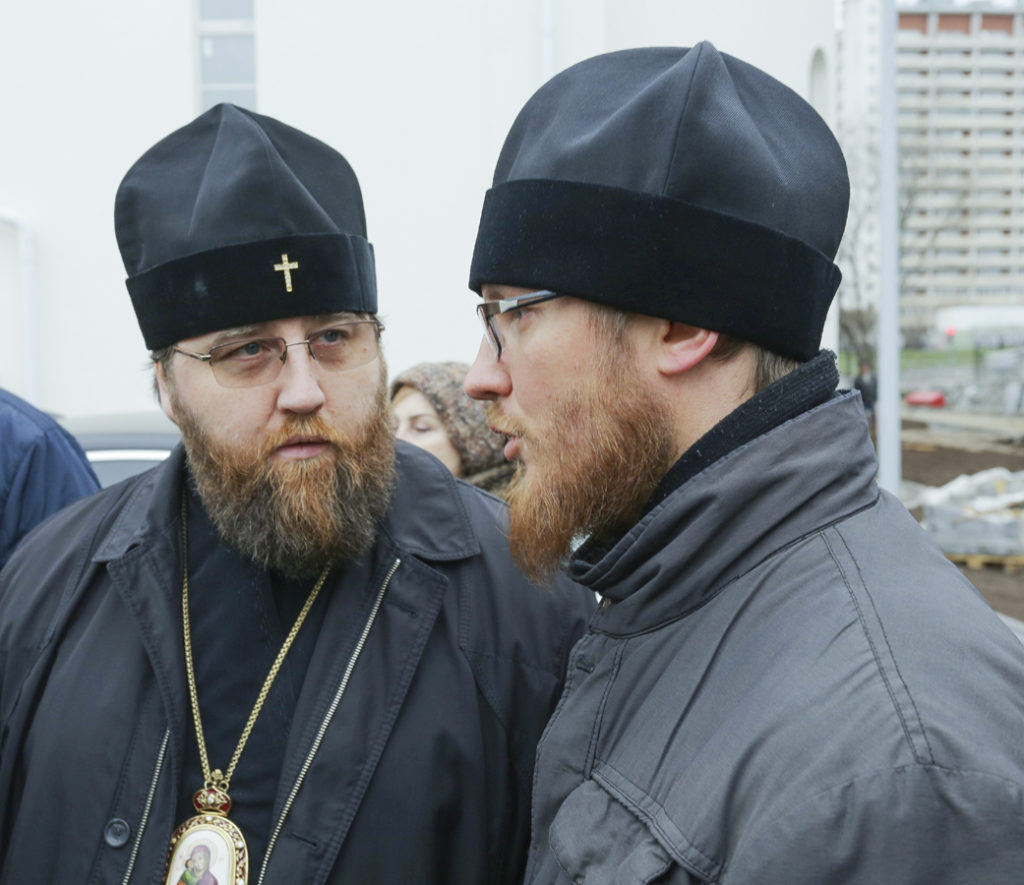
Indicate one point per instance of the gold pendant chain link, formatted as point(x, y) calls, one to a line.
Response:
point(215, 778)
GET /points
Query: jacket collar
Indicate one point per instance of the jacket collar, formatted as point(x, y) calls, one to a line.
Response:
point(426, 518)
point(792, 481)
point(799, 391)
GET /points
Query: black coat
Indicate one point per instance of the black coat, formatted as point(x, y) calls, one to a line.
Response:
point(421, 774)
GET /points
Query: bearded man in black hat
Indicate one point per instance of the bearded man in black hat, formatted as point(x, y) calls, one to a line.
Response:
point(785, 683)
point(310, 657)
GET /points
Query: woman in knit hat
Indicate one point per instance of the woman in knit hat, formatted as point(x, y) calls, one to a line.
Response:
point(432, 411)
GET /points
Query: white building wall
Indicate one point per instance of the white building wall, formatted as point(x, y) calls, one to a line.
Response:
point(780, 37)
point(417, 96)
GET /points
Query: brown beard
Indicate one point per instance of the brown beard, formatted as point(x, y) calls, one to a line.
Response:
point(592, 466)
point(296, 517)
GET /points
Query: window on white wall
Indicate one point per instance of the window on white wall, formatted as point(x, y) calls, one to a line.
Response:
point(227, 53)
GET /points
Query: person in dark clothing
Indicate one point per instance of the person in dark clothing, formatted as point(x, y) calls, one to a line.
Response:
point(295, 642)
point(867, 385)
point(42, 468)
point(786, 682)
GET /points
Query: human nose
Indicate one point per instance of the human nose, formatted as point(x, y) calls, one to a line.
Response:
point(299, 381)
point(487, 378)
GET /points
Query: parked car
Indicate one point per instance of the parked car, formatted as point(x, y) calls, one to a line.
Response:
point(935, 399)
point(121, 445)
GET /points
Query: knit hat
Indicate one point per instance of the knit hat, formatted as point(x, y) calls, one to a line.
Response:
point(480, 449)
point(678, 183)
point(237, 218)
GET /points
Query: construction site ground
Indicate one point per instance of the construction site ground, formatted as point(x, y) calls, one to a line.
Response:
point(933, 454)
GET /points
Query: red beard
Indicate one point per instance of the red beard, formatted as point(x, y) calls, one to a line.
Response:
point(591, 464)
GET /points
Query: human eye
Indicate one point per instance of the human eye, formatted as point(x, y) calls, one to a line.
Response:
point(516, 309)
point(243, 352)
point(336, 335)
point(508, 314)
point(513, 317)
point(339, 346)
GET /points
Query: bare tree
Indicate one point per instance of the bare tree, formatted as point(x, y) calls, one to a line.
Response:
point(858, 251)
point(857, 258)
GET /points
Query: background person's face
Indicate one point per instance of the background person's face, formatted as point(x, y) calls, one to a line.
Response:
point(418, 423)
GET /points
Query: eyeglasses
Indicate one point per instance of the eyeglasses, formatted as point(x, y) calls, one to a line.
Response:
point(495, 315)
point(251, 362)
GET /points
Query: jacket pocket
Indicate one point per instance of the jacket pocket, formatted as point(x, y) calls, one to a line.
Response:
point(598, 841)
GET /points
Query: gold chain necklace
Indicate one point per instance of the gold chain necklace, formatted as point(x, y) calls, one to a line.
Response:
point(209, 840)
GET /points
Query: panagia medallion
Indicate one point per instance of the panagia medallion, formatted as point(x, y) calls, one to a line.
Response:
point(208, 849)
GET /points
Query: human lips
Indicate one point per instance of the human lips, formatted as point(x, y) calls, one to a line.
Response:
point(505, 426)
point(513, 442)
point(301, 446)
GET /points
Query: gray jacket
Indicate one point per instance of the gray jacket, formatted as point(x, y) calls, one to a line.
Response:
point(786, 683)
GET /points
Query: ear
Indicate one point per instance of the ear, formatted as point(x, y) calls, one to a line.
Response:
point(681, 346)
point(163, 386)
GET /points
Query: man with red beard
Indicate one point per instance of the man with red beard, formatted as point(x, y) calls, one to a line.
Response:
point(289, 641)
point(785, 681)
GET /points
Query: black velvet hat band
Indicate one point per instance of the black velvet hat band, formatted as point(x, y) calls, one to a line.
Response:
point(659, 256)
point(249, 283)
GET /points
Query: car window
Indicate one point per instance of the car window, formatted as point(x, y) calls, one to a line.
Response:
point(113, 471)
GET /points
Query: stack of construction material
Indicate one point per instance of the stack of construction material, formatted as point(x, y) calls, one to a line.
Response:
point(981, 514)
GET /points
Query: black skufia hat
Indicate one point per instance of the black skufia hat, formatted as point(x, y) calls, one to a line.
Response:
point(680, 183)
point(236, 219)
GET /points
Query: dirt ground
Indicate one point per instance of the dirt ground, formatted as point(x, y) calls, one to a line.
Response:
point(935, 465)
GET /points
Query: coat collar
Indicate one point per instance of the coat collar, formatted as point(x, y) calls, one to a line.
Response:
point(427, 517)
point(771, 492)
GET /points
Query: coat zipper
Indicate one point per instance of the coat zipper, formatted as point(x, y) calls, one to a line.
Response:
point(328, 716)
point(147, 808)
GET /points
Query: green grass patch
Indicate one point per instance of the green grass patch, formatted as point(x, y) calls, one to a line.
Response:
point(924, 359)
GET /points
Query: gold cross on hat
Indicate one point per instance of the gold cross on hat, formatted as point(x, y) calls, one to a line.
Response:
point(287, 267)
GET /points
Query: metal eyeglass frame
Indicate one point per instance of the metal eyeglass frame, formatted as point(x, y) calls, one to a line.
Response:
point(208, 356)
point(488, 310)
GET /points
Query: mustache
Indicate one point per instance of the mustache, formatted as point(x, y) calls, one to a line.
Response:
point(305, 427)
point(498, 422)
